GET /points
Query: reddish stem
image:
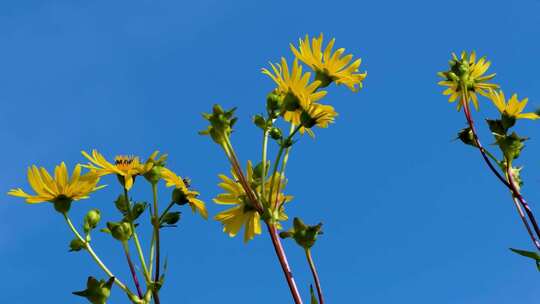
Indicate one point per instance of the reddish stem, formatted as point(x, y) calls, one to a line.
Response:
point(284, 263)
point(510, 184)
point(133, 273)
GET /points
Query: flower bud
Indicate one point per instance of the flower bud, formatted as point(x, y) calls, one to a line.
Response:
point(96, 292)
point(274, 102)
point(275, 133)
point(304, 235)
point(259, 121)
point(120, 231)
point(153, 175)
point(91, 220)
point(76, 245)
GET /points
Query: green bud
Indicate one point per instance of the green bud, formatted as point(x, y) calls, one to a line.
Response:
point(179, 197)
point(62, 203)
point(511, 145)
point(221, 124)
point(275, 133)
point(467, 137)
point(120, 231)
point(259, 121)
point(76, 245)
point(274, 102)
point(154, 175)
point(91, 220)
point(96, 292)
point(304, 235)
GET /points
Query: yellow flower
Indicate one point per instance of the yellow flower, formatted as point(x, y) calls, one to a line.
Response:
point(294, 85)
point(184, 194)
point(513, 108)
point(466, 72)
point(61, 188)
point(329, 66)
point(126, 167)
point(243, 213)
point(318, 115)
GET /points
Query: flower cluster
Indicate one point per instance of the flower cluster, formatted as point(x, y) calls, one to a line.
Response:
point(61, 190)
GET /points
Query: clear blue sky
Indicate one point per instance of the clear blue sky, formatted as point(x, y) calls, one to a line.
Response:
point(410, 216)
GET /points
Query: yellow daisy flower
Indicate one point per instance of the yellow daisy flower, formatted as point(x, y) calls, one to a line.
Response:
point(513, 108)
point(466, 72)
point(125, 167)
point(61, 188)
point(329, 66)
point(185, 194)
point(318, 115)
point(243, 213)
point(294, 85)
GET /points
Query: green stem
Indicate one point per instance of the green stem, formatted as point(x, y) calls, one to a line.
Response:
point(96, 258)
point(315, 276)
point(264, 152)
point(278, 158)
point(284, 164)
point(136, 241)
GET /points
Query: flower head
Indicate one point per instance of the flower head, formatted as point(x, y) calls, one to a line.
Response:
point(318, 115)
point(61, 188)
point(329, 66)
point(182, 194)
point(294, 85)
point(244, 213)
point(125, 167)
point(513, 108)
point(467, 73)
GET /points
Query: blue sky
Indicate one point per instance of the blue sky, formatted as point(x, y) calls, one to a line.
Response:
point(409, 214)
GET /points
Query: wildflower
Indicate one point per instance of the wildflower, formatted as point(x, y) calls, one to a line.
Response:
point(328, 66)
point(125, 167)
point(182, 194)
point(294, 88)
point(244, 213)
point(513, 108)
point(60, 190)
point(466, 72)
point(318, 115)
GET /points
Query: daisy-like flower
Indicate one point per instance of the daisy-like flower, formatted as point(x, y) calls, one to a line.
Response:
point(243, 213)
point(318, 115)
point(182, 194)
point(329, 66)
point(513, 107)
point(61, 189)
point(294, 85)
point(125, 167)
point(466, 72)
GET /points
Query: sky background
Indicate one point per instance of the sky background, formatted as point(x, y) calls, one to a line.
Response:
point(410, 216)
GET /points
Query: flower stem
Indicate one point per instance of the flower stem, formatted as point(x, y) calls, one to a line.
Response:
point(136, 240)
point(510, 183)
point(156, 222)
point(264, 152)
point(284, 263)
point(96, 258)
point(315, 276)
point(132, 269)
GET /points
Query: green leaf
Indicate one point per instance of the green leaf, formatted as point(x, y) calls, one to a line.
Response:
point(171, 218)
point(121, 204)
point(529, 254)
point(466, 136)
point(313, 297)
point(96, 292)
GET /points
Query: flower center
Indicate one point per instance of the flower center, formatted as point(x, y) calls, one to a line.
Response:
point(125, 163)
